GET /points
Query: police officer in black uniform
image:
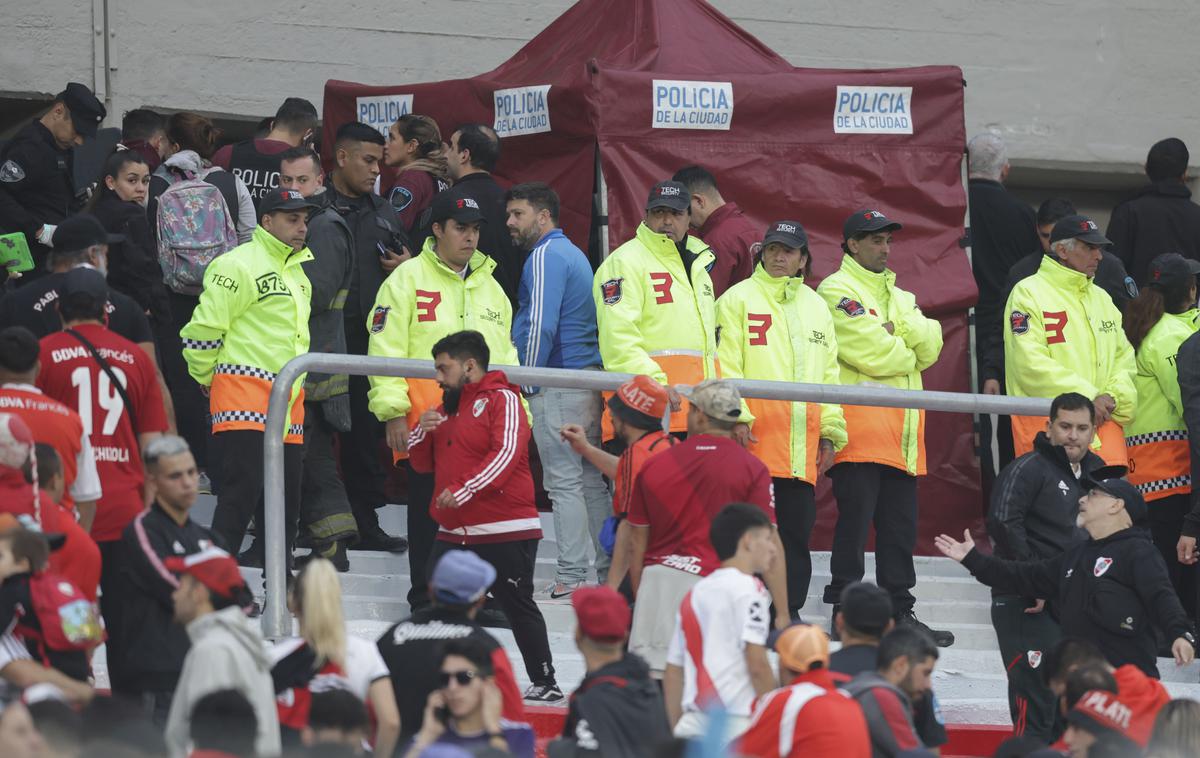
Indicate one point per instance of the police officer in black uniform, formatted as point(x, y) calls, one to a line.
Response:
point(1034, 504)
point(1111, 589)
point(37, 186)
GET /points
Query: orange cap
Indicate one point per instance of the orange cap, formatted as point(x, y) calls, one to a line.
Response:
point(802, 645)
point(644, 395)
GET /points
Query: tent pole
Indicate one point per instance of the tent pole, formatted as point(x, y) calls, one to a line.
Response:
point(602, 192)
point(986, 447)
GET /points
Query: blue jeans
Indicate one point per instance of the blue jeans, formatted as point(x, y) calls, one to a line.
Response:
point(581, 499)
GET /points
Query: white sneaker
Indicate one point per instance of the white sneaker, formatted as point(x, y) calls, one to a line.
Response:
point(559, 592)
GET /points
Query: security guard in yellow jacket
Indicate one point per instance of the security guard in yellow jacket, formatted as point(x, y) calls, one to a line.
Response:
point(775, 327)
point(1064, 335)
point(251, 320)
point(654, 300)
point(447, 288)
point(883, 338)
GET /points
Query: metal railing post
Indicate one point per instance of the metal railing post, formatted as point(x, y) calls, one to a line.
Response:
point(277, 621)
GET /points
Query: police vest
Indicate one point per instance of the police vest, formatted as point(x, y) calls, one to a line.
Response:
point(258, 171)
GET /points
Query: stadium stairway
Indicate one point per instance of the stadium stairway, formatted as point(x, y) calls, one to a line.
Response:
point(969, 678)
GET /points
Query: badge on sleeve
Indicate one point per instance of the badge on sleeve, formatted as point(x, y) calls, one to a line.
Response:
point(379, 318)
point(401, 198)
point(1035, 658)
point(477, 408)
point(611, 290)
point(1018, 322)
point(1102, 565)
point(851, 307)
point(11, 172)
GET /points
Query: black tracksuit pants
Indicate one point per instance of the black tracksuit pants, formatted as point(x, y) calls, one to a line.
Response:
point(1166, 523)
point(241, 495)
point(866, 494)
point(795, 514)
point(513, 590)
point(1026, 639)
point(422, 534)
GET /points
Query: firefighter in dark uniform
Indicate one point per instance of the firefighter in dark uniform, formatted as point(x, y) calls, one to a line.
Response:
point(1111, 590)
point(37, 185)
point(1031, 517)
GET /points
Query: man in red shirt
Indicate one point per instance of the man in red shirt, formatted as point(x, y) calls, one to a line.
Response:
point(732, 237)
point(809, 716)
point(476, 443)
point(675, 498)
point(119, 416)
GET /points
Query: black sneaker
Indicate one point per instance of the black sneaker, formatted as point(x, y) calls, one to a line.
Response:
point(250, 559)
point(335, 554)
point(543, 693)
point(377, 539)
point(833, 632)
point(941, 637)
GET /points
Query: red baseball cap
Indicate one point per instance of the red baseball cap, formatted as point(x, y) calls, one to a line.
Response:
point(644, 395)
point(213, 567)
point(602, 613)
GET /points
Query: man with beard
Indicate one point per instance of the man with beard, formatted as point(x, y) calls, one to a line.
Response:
point(555, 327)
point(483, 491)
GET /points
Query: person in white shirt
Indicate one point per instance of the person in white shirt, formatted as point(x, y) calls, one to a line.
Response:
point(718, 654)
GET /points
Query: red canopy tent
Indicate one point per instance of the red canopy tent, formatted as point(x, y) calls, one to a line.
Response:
point(649, 86)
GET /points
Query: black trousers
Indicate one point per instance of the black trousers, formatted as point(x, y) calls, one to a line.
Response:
point(191, 406)
point(513, 590)
point(1026, 640)
point(324, 510)
point(362, 470)
point(795, 514)
point(241, 495)
point(112, 594)
point(422, 534)
point(1004, 441)
point(1166, 522)
point(866, 494)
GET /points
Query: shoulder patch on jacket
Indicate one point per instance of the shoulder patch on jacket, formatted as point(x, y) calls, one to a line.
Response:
point(11, 171)
point(851, 307)
point(379, 318)
point(477, 408)
point(400, 198)
point(611, 290)
point(1018, 322)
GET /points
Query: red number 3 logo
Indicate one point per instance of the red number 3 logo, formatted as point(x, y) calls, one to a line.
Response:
point(1055, 322)
point(758, 326)
point(662, 287)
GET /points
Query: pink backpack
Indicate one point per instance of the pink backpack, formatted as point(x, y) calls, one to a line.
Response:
point(195, 225)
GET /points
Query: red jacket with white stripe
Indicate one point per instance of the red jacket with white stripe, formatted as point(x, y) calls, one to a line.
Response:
point(809, 717)
point(481, 454)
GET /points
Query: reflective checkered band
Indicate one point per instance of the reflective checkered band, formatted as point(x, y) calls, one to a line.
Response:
point(239, 370)
point(295, 429)
point(1164, 484)
point(222, 417)
point(202, 344)
point(1146, 439)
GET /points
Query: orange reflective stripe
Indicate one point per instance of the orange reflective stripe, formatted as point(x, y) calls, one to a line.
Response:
point(1112, 439)
point(680, 369)
point(238, 400)
point(1159, 464)
point(877, 436)
point(775, 448)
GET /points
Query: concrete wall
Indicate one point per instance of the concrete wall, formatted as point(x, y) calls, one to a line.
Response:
point(1071, 85)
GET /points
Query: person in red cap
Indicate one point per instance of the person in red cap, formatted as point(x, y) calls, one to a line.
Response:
point(637, 410)
point(1099, 720)
point(617, 709)
point(227, 652)
point(809, 716)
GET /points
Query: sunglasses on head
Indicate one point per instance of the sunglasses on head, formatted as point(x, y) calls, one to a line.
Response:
point(462, 677)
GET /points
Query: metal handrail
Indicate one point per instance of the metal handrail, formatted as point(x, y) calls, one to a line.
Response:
point(276, 620)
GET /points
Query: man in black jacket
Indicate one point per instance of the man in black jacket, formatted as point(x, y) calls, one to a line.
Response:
point(1111, 590)
point(1187, 360)
point(1160, 217)
point(37, 184)
point(1032, 517)
point(380, 245)
point(618, 709)
point(154, 644)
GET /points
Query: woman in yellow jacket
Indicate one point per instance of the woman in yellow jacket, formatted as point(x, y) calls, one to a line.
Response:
point(1157, 322)
point(772, 326)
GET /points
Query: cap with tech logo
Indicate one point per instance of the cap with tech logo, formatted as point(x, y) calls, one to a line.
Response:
point(1078, 227)
point(787, 233)
point(673, 195)
point(867, 220)
point(456, 204)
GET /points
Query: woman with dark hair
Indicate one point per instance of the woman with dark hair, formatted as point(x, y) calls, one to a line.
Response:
point(1157, 322)
point(415, 151)
point(120, 205)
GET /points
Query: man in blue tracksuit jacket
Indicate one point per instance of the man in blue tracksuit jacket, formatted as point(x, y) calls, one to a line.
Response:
point(555, 326)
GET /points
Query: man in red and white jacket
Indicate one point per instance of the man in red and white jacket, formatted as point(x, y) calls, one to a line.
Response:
point(476, 443)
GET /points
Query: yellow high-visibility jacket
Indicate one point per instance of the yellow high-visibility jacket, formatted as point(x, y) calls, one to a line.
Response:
point(1157, 438)
point(778, 329)
point(861, 302)
point(1064, 335)
point(420, 302)
point(251, 320)
point(653, 317)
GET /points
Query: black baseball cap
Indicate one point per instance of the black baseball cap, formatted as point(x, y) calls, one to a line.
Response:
point(456, 204)
point(673, 195)
point(280, 199)
point(86, 111)
point(80, 232)
point(867, 220)
point(1078, 227)
point(1172, 268)
point(84, 280)
point(788, 233)
point(1110, 480)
